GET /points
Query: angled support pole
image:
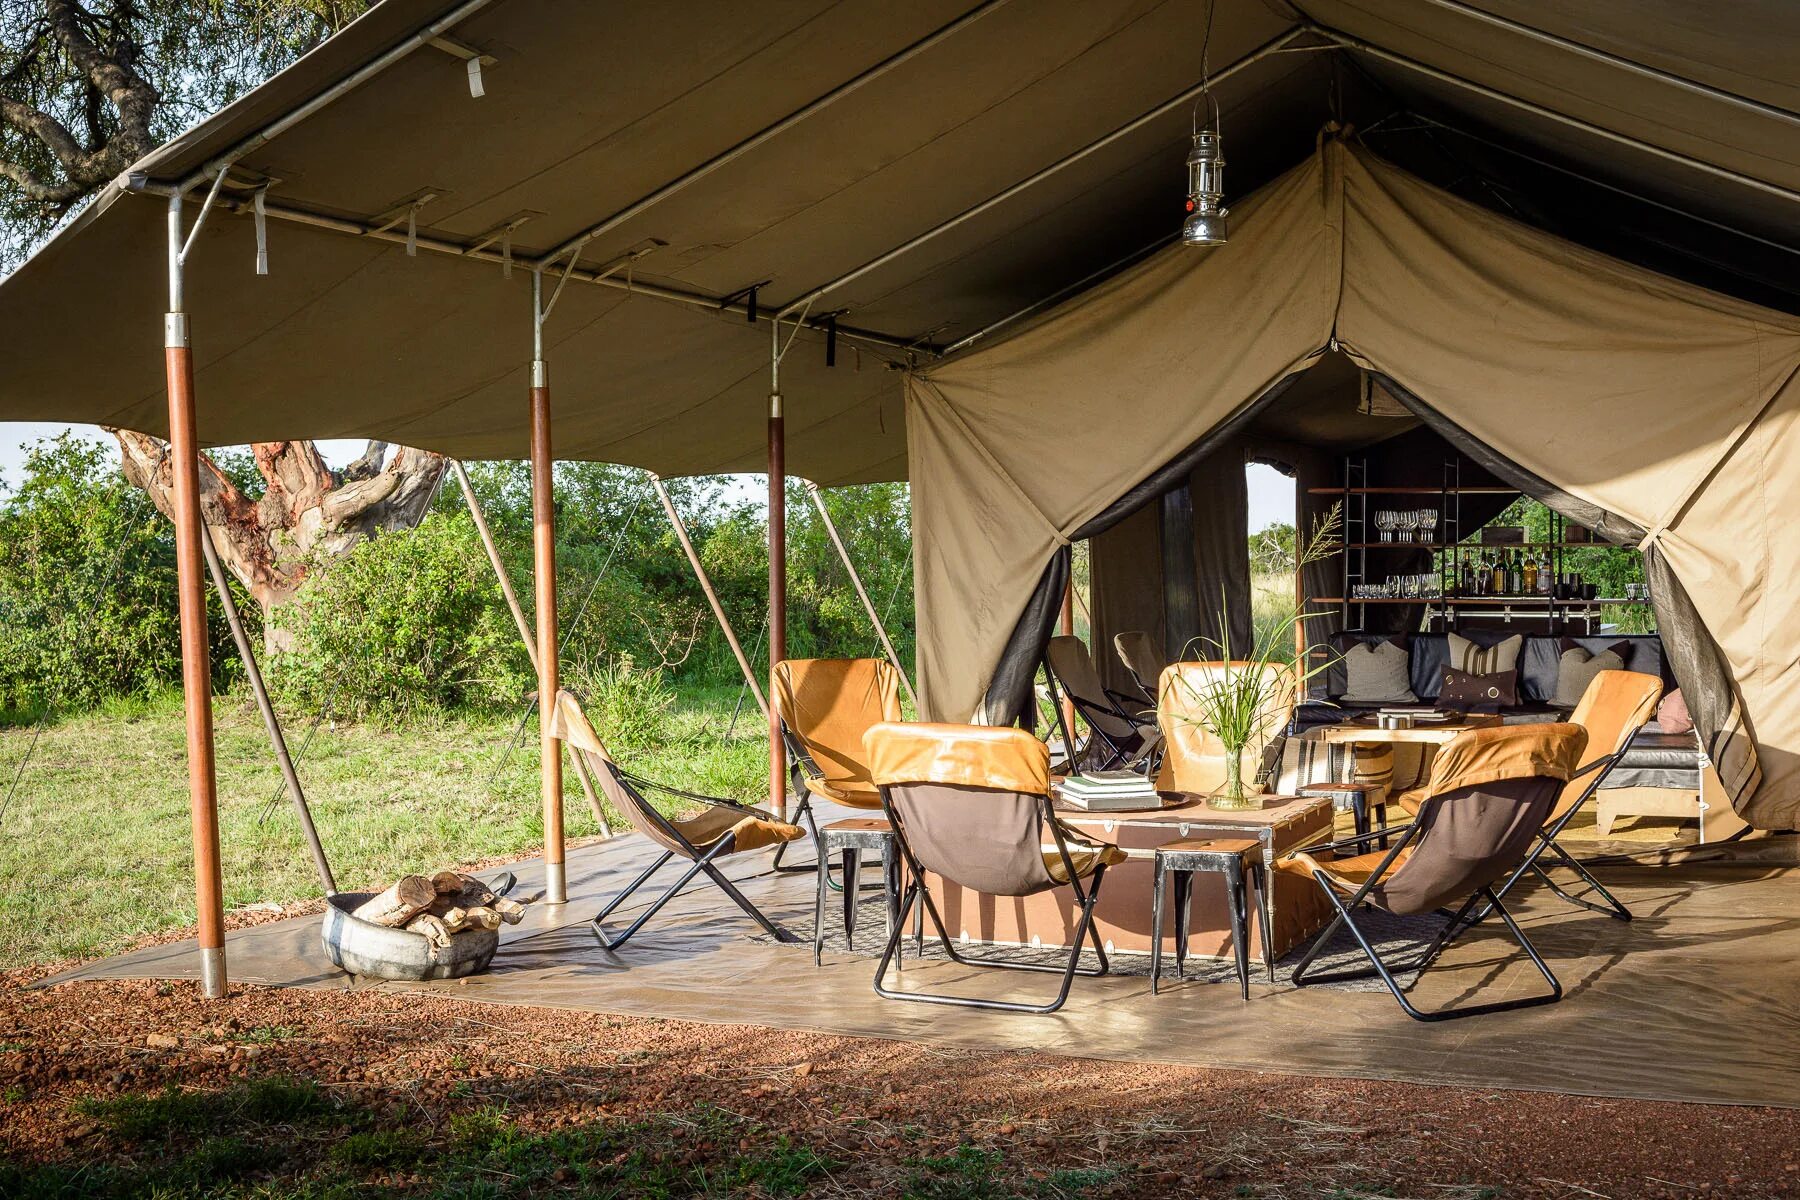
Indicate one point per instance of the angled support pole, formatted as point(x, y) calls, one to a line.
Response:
point(887, 645)
point(706, 586)
point(518, 615)
point(543, 540)
point(196, 665)
point(253, 672)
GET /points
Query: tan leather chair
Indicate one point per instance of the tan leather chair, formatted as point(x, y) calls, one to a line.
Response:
point(1194, 759)
point(1491, 791)
point(826, 706)
point(717, 829)
point(972, 804)
point(1615, 706)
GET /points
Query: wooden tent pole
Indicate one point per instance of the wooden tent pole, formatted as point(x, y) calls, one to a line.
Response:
point(706, 586)
point(196, 665)
point(777, 572)
point(818, 499)
point(543, 540)
point(252, 672)
point(518, 615)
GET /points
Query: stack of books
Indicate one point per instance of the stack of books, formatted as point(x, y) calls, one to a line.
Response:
point(1110, 791)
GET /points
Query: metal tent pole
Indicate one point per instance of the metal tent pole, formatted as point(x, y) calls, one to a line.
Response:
point(543, 540)
point(1066, 625)
point(518, 615)
point(706, 586)
point(777, 569)
point(818, 499)
point(253, 672)
point(196, 666)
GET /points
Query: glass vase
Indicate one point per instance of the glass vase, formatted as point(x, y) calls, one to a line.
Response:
point(1232, 793)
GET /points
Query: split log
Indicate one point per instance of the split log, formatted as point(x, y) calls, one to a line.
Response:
point(433, 928)
point(409, 897)
point(448, 883)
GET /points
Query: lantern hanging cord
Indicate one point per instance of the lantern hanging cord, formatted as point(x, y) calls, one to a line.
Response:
point(1206, 92)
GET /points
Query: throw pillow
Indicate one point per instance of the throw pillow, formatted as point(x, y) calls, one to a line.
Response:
point(1577, 668)
point(1378, 673)
point(1672, 714)
point(1468, 692)
point(1476, 659)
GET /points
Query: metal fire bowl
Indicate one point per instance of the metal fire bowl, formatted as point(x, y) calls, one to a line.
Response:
point(383, 953)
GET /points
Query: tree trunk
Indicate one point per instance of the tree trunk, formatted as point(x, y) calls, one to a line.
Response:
point(308, 514)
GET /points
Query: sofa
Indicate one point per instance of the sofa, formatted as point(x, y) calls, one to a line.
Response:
point(1655, 758)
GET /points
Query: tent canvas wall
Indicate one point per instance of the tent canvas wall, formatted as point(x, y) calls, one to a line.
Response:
point(1654, 411)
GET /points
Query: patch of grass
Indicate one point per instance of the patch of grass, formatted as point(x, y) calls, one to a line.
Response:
point(974, 1173)
point(148, 1116)
point(110, 787)
point(378, 1148)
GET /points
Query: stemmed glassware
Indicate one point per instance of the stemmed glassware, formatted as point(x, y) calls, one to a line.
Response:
point(1384, 524)
point(1428, 522)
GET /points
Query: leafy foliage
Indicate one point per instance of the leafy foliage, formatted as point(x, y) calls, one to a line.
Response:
point(87, 585)
point(188, 58)
point(405, 621)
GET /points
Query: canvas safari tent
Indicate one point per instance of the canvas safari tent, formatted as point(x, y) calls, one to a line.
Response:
point(1649, 409)
point(725, 237)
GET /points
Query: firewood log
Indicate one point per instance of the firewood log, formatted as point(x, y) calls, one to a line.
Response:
point(411, 895)
point(447, 883)
point(511, 911)
point(481, 918)
point(433, 928)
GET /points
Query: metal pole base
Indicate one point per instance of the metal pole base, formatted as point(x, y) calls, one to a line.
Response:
point(556, 883)
point(212, 972)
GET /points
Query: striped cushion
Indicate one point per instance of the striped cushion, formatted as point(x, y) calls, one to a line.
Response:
point(1485, 660)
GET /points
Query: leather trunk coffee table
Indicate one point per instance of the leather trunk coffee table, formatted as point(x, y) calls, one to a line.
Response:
point(1283, 824)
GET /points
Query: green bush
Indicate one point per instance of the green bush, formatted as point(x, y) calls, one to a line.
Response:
point(87, 586)
point(405, 622)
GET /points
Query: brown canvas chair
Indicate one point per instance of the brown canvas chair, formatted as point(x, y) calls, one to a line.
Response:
point(1490, 793)
point(1193, 758)
point(1123, 735)
point(1137, 650)
point(826, 705)
point(971, 803)
point(718, 829)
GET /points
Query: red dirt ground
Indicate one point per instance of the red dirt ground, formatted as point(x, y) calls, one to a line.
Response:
point(870, 1106)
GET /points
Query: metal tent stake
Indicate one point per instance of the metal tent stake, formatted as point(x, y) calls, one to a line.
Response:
point(543, 541)
point(818, 499)
point(253, 672)
point(196, 667)
point(706, 586)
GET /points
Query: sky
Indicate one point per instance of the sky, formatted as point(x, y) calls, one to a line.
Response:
point(1271, 492)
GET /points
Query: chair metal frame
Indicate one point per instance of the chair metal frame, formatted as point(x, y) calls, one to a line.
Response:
point(1346, 901)
point(1609, 905)
point(917, 892)
point(702, 861)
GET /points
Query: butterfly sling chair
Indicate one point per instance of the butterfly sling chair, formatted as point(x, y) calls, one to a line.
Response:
point(826, 705)
point(719, 829)
point(1613, 708)
point(1137, 650)
point(1123, 736)
point(1490, 792)
point(971, 805)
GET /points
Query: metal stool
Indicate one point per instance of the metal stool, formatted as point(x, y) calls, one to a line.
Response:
point(850, 837)
point(1224, 856)
point(1351, 797)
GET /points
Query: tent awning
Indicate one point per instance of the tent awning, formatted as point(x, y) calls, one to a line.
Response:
point(786, 146)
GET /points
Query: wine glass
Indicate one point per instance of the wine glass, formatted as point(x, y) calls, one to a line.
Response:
point(1384, 524)
point(1428, 520)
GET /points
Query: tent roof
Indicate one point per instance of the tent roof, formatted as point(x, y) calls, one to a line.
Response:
point(590, 110)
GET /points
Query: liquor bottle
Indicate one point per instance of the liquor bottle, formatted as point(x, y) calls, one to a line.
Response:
point(1497, 576)
point(1531, 575)
point(1546, 577)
